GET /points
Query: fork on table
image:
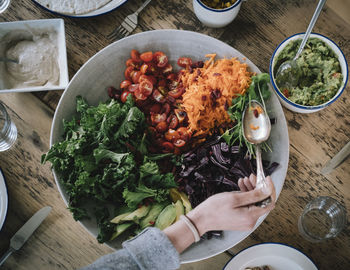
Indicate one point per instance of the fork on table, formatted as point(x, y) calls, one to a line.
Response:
point(128, 25)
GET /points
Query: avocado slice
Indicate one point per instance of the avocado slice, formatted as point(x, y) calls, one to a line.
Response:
point(179, 207)
point(152, 215)
point(120, 228)
point(179, 195)
point(185, 202)
point(137, 214)
point(166, 217)
point(118, 218)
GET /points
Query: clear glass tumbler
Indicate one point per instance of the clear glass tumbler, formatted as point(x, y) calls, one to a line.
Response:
point(8, 130)
point(4, 4)
point(323, 218)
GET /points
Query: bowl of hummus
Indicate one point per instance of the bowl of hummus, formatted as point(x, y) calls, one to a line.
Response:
point(39, 49)
point(323, 73)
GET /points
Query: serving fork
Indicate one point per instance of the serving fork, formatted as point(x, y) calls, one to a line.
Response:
point(128, 25)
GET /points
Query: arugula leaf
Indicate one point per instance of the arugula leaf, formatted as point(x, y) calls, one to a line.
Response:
point(258, 90)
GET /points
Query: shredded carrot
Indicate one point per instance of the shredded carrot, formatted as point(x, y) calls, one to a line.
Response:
point(210, 90)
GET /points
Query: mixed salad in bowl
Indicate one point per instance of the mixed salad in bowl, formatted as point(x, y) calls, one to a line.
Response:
point(166, 140)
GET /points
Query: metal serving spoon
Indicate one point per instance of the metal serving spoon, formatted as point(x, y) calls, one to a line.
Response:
point(288, 73)
point(256, 127)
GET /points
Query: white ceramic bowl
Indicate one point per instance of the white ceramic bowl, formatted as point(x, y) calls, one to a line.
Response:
point(3, 199)
point(275, 255)
point(41, 26)
point(104, 69)
point(109, 7)
point(216, 17)
point(302, 108)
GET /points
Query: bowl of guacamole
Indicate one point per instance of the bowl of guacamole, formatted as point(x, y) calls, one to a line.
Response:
point(323, 73)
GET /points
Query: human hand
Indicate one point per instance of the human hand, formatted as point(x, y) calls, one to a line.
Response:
point(234, 210)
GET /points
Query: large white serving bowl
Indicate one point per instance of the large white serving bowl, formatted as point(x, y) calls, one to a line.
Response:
point(302, 108)
point(106, 68)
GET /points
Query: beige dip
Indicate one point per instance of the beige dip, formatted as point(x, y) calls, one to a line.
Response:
point(37, 60)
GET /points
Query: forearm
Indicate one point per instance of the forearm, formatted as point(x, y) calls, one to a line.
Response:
point(180, 234)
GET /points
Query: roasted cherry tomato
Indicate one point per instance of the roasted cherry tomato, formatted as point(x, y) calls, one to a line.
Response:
point(125, 84)
point(144, 68)
point(165, 108)
point(162, 127)
point(161, 59)
point(173, 121)
point(167, 147)
point(130, 62)
point(180, 115)
point(146, 87)
point(155, 108)
point(151, 78)
point(132, 88)
point(135, 55)
point(139, 95)
point(124, 96)
point(184, 134)
point(127, 72)
point(167, 69)
point(146, 56)
point(184, 62)
point(173, 85)
point(157, 118)
point(179, 143)
point(157, 96)
point(177, 92)
point(171, 135)
point(135, 76)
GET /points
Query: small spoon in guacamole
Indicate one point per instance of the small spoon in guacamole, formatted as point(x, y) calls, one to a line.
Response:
point(289, 72)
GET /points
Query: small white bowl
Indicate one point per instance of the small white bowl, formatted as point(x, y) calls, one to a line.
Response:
point(216, 17)
point(302, 108)
point(41, 26)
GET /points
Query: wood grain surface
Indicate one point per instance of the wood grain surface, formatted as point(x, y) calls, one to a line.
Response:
point(62, 243)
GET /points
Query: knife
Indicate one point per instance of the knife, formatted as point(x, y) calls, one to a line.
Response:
point(337, 159)
point(22, 235)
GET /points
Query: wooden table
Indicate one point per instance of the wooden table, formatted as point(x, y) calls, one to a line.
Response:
point(61, 243)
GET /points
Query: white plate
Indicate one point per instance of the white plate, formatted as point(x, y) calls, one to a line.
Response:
point(114, 4)
point(3, 200)
point(275, 255)
point(41, 26)
point(107, 68)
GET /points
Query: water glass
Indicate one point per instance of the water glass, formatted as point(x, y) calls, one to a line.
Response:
point(4, 4)
point(323, 218)
point(8, 130)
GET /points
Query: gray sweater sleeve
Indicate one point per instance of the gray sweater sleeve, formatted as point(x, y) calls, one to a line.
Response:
point(151, 249)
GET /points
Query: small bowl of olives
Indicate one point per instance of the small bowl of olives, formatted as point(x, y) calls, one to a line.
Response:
point(216, 13)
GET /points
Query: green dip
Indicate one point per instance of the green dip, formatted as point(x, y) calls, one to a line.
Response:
point(320, 72)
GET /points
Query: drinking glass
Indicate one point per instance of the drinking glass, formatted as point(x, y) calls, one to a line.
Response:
point(8, 130)
point(4, 4)
point(322, 218)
